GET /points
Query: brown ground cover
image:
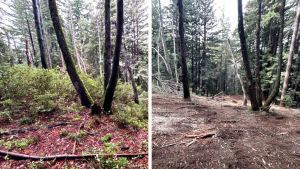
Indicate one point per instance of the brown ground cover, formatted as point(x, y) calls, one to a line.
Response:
point(236, 137)
point(50, 141)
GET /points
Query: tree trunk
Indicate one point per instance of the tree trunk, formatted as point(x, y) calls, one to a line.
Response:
point(127, 66)
point(114, 74)
point(250, 85)
point(158, 70)
point(203, 84)
point(31, 40)
point(99, 41)
point(44, 33)
point(277, 82)
point(73, 36)
point(257, 56)
point(164, 42)
point(220, 76)
point(238, 75)
point(185, 78)
point(28, 54)
point(62, 59)
point(107, 51)
point(81, 56)
point(175, 61)
point(290, 59)
point(39, 33)
point(84, 95)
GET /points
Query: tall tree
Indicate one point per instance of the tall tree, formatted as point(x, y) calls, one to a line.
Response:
point(164, 42)
point(185, 78)
point(257, 56)
point(290, 59)
point(250, 85)
point(107, 51)
point(278, 75)
point(109, 94)
point(39, 33)
point(84, 95)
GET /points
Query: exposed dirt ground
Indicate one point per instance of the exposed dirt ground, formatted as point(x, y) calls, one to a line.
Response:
point(242, 139)
point(50, 141)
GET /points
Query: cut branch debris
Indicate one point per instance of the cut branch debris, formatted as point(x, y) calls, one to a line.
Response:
point(64, 156)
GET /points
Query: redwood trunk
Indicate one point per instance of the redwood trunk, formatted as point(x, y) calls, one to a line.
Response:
point(185, 79)
point(257, 56)
point(290, 59)
point(250, 85)
point(107, 52)
point(28, 54)
point(114, 74)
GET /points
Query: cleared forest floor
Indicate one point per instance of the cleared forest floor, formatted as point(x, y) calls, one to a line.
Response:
point(80, 134)
point(207, 133)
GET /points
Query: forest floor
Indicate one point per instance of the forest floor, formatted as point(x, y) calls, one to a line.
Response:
point(206, 133)
point(81, 133)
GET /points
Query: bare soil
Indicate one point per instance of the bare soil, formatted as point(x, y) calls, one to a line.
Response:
point(242, 139)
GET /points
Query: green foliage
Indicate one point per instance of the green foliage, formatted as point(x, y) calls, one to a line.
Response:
point(135, 115)
point(26, 120)
point(19, 144)
point(77, 137)
point(288, 101)
point(63, 132)
point(106, 138)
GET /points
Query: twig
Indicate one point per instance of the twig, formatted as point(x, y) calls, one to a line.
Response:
point(201, 135)
point(191, 142)
point(62, 156)
point(173, 144)
point(74, 147)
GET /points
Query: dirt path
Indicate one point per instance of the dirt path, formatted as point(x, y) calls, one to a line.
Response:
point(243, 139)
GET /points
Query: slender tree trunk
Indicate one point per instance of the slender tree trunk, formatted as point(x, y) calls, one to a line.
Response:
point(220, 76)
point(185, 78)
point(277, 82)
point(31, 40)
point(28, 54)
point(203, 84)
point(73, 36)
point(238, 75)
point(114, 75)
point(158, 68)
point(175, 61)
point(44, 33)
point(84, 95)
point(62, 59)
point(11, 59)
point(39, 33)
point(164, 42)
point(81, 56)
point(257, 56)
point(290, 59)
point(127, 66)
point(99, 41)
point(107, 51)
point(250, 85)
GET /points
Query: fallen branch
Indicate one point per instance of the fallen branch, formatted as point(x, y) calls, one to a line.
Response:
point(63, 156)
point(173, 144)
point(57, 124)
point(18, 131)
point(217, 95)
point(201, 135)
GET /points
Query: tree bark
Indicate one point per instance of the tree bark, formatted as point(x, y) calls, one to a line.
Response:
point(164, 42)
point(31, 40)
point(250, 85)
point(114, 74)
point(175, 61)
point(220, 76)
point(277, 82)
point(257, 56)
point(238, 74)
point(39, 33)
point(290, 59)
point(28, 54)
point(73, 36)
point(107, 51)
point(99, 41)
point(62, 59)
point(44, 32)
point(185, 78)
point(84, 95)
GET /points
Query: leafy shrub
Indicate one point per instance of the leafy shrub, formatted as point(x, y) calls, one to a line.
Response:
point(106, 138)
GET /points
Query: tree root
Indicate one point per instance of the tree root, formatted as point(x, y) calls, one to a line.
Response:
point(64, 156)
